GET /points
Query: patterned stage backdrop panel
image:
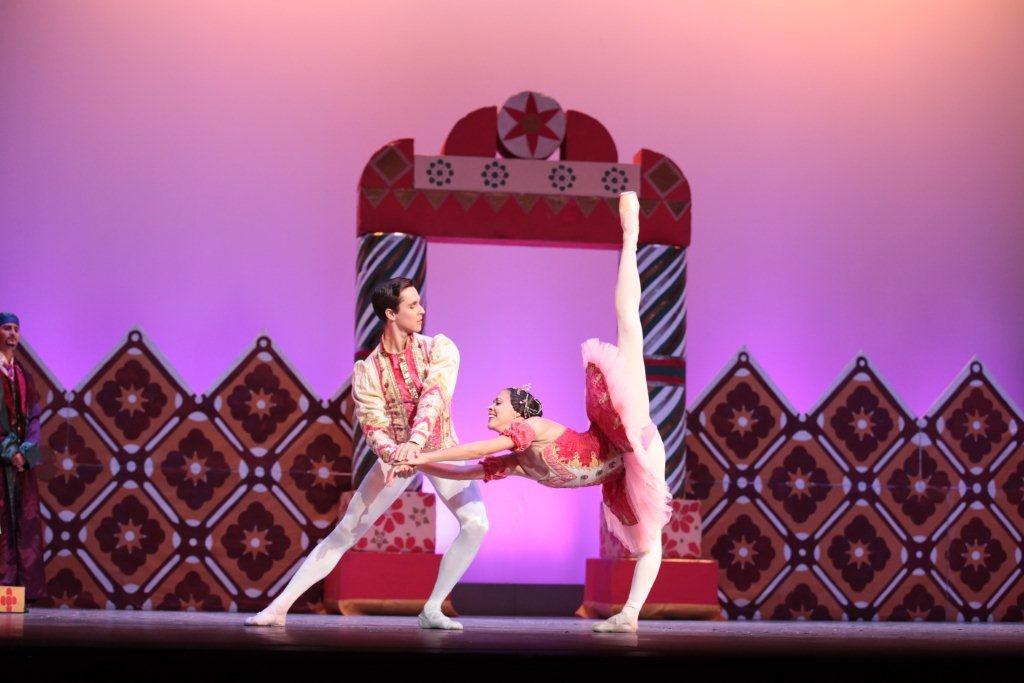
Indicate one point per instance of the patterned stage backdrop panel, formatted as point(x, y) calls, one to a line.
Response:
point(156, 498)
point(858, 510)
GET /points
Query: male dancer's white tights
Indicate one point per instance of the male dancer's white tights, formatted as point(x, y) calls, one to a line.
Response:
point(369, 502)
point(631, 346)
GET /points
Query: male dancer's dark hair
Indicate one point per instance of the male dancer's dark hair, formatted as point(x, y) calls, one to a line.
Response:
point(385, 295)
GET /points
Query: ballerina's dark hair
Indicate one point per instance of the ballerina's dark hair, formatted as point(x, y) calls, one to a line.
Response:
point(525, 403)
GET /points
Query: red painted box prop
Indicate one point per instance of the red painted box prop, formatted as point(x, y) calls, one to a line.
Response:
point(12, 599)
point(406, 527)
point(685, 589)
point(680, 539)
point(382, 583)
point(396, 566)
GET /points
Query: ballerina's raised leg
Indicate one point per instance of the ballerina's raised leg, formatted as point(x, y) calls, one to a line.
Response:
point(631, 347)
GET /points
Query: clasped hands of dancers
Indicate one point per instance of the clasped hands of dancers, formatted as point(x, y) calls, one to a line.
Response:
point(402, 393)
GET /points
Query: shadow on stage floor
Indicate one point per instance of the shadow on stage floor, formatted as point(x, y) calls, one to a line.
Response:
point(49, 644)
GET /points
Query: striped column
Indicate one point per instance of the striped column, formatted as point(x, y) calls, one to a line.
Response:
point(663, 317)
point(381, 257)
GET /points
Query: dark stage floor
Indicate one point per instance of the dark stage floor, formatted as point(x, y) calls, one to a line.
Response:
point(109, 645)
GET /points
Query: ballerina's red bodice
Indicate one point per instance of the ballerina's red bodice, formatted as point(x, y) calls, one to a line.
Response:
point(574, 459)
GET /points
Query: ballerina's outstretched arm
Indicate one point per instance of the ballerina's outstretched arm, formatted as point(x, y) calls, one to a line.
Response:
point(448, 471)
point(464, 451)
point(435, 462)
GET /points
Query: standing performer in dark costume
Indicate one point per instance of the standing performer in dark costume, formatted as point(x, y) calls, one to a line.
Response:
point(21, 534)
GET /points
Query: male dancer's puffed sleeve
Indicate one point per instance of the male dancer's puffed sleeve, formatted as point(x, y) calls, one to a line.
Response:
point(371, 411)
point(438, 388)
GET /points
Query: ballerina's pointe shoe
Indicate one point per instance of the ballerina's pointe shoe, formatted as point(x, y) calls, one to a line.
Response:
point(629, 215)
point(619, 623)
point(435, 619)
point(267, 617)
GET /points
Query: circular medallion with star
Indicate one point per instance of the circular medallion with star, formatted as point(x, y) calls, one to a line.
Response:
point(530, 126)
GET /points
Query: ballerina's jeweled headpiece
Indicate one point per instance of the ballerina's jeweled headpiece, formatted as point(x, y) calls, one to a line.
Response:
point(525, 403)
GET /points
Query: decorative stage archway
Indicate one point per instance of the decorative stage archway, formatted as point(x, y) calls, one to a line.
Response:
point(493, 182)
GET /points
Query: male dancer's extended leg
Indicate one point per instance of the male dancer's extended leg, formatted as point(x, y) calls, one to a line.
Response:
point(369, 502)
point(631, 346)
point(463, 498)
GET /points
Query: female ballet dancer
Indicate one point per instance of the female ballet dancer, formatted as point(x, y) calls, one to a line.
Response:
point(622, 450)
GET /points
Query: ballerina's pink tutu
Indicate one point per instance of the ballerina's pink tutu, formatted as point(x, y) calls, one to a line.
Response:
point(621, 450)
point(628, 428)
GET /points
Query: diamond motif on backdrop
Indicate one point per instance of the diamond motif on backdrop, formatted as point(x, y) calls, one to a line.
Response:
point(531, 125)
point(665, 176)
point(69, 584)
point(129, 538)
point(195, 468)
point(975, 425)
point(981, 555)
point(748, 548)
point(133, 394)
point(261, 541)
point(391, 164)
point(916, 486)
point(801, 597)
point(191, 588)
point(861, 419)
point(77, 466)
point(261, 401)
point(317, 467)
point(742, 415)
point(918, 598)
point(802, 485)
point(860, 554)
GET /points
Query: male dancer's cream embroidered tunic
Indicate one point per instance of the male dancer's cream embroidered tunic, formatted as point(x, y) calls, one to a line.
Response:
point(407, 396)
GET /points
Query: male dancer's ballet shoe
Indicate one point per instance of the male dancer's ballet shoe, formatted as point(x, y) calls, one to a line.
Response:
point(267, 617)
point(620, 623)
point(435, 619)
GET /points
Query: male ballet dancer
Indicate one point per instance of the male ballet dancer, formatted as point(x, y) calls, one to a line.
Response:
point(402, 394)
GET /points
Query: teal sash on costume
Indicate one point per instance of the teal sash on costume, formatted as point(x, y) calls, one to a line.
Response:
point(12, 443)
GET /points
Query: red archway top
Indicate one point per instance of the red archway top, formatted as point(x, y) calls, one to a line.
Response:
point(469, 192)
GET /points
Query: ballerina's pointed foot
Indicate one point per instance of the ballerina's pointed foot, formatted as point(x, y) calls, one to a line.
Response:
point(629, 215)
point(620, 623)
point(267, 617)
point(433, 618)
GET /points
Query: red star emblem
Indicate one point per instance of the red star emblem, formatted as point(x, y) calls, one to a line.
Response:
point(531, 123)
